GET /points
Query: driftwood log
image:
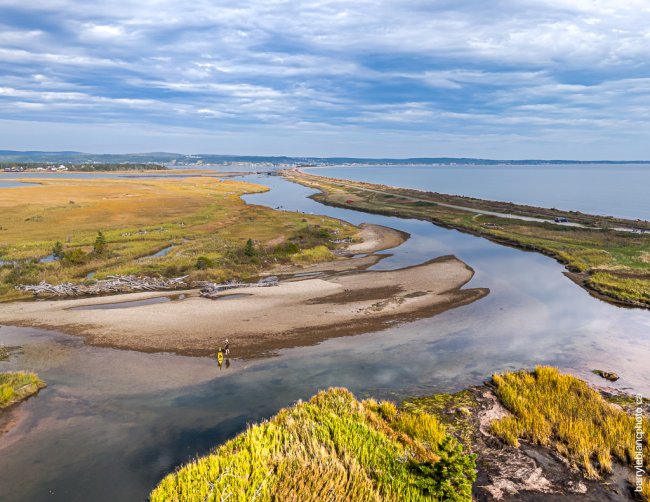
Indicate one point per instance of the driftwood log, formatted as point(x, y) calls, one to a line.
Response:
point(112, 284)
point(212, 290)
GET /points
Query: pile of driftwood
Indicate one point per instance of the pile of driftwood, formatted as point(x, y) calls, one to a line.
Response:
point(212, 290)
point(113, 284)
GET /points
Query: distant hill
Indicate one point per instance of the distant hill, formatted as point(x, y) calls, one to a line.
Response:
point(179, 158)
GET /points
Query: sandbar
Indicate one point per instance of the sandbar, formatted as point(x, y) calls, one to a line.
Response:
point(258, 321)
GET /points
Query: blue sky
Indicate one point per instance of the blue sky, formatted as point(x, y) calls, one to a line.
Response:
point(399, 78)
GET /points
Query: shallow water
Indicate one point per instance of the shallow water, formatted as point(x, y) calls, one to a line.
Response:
point(124, 305)
point(609, 189)
point(162, 252)
point(111, 423)
point(15, 184)
point(234, 296)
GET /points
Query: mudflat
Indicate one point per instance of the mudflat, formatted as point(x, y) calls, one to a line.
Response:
point(258, 321)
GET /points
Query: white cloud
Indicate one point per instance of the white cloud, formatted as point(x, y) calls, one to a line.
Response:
point(475, 70)
point(102, 32)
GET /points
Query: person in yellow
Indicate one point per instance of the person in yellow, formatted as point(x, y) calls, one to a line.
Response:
point(220, 357)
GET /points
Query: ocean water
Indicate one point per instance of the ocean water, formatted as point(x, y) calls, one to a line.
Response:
point(609, 189)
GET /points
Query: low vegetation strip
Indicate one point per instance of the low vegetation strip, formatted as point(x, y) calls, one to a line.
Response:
point(612, 264)
point(562, 412)
point(16, 386)
point(331, 448)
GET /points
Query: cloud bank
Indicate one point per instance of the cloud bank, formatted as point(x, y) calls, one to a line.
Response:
point(504, 79)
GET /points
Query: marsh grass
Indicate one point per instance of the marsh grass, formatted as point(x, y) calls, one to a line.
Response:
point(330, 448)
point(200, 217)
point(16, 386)
point(562, 412)
point(613, 263)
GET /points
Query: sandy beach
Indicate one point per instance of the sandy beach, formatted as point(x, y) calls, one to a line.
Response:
point(257, 321)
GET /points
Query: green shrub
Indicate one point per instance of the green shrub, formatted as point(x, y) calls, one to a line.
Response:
point(99, 247)
point(286, 249)
point(203, 263)
point(249, 249)
point(57, 250)
point(75, 256)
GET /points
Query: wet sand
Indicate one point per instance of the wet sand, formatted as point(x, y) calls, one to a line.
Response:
point(377, 238)
point(259, 321)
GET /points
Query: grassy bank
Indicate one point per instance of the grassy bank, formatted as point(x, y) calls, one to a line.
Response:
point(614, 265)
point(337, 448)
point(210, 233)
point(14, 387)
point(562, 412)
point(331, 448)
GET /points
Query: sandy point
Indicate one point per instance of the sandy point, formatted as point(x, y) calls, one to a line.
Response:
point(257, 321)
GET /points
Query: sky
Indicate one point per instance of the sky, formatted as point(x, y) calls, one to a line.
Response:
point(548, 79)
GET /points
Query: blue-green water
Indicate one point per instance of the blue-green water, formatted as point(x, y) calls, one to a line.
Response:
point(610, 189)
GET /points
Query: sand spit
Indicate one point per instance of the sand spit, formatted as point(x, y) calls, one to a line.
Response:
point(377, 238)
point(258, 321)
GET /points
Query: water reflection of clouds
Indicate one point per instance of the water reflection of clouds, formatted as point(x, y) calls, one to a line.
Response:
point(533, 313)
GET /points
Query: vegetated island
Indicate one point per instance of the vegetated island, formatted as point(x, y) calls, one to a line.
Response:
point(609, 257)
point(18, 386)
point(522, 436)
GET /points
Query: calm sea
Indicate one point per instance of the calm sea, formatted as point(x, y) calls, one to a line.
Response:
point(616, 189)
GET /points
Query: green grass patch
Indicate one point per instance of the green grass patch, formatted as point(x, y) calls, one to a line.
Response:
point(313, 255)
point(562, 412)
point(16, 386)
point(620, 286)
point(333, 447)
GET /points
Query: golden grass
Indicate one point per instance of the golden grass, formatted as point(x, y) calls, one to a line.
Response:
point(562, 412)
point(199, 216)
point(16, 386)
point(330, 448)
point(620, 286)
point(313, 255)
